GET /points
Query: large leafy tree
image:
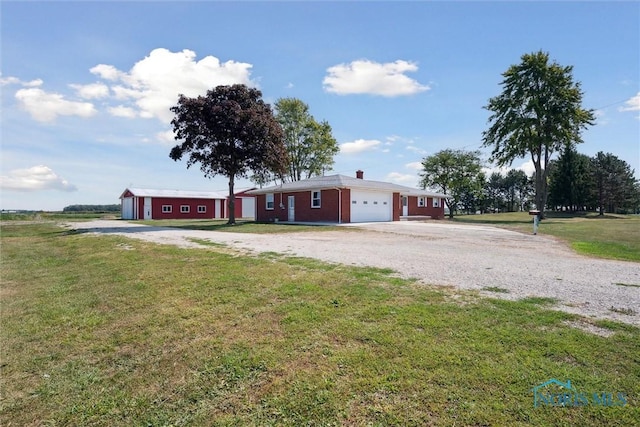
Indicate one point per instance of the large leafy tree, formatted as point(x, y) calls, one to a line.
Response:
point(537, 114)
point(456, 173)
point(310, 144)
point(229, 131)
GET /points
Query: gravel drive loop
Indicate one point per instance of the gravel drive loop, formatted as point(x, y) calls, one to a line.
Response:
point(438, 253)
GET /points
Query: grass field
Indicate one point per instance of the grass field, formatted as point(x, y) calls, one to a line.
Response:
point(106, 331)
point(610, 236)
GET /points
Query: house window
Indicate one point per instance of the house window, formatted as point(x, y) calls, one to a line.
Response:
point(202, 209)
point(184, 208)
point(315, 199)
point(436, 203)
point(166, 208)
point(269, 198)
point(354, 202)
point(421, 202)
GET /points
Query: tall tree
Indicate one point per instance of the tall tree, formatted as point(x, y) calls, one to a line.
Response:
point(517, 189)
point(229, 132)
point(570, 180)
point(456, 173)
point(310, 145)
point(538, 113)
point(614, 184)
point(495, 192)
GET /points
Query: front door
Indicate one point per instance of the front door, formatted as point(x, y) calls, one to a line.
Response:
point(292, 208)
point(405, 206)
point(147, 208)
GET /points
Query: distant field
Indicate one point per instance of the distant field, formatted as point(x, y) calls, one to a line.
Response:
point(610, 236)
point(44, 216)
point(110, 331)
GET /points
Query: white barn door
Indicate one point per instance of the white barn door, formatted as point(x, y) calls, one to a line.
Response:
point(147, 208)
point(127, 208)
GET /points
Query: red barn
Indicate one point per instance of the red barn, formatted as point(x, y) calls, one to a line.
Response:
point(342, 199)
point(141, 203)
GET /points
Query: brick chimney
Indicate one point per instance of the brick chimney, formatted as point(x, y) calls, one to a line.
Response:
point(359, 174)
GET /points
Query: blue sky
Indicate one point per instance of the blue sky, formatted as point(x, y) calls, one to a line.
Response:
point(86, 86)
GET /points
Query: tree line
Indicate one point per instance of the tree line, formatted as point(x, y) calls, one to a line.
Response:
point(576, 182)
point(92, 208)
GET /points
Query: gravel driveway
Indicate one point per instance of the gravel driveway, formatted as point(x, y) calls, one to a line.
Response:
point(438, 253)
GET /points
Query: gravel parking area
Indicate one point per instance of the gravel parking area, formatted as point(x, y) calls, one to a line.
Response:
point(438, 253)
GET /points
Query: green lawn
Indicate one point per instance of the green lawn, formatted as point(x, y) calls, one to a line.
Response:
point(610, 236)
point(107, 331)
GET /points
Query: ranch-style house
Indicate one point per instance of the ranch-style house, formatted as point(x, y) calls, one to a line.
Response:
point(344, 199)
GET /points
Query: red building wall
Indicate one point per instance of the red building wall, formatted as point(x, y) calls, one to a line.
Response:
point(330, 204)
point(158, 202)
point(427, 210)
point(397, 206)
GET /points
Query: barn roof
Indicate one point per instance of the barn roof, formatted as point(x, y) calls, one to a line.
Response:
point(343, 181)
point(176, 194)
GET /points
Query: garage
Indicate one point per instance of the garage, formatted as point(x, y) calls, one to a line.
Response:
point(371, 206)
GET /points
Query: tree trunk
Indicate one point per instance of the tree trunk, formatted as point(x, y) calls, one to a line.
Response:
point(232, 202)
point(450, 210)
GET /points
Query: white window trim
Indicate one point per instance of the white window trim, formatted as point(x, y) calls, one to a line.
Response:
point(266, 199)
point(436, 202)
point(167, 209)
point(183, 210)
point(319, 199)
point(202, 208)
point(422, 202)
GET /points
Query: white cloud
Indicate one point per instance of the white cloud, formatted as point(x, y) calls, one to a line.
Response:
point(402, 178)
point(35, 178)
point(601, 117)
point(16, 81)
point(359, 146)
point(527, 167)
point(368, 77)
point(414, 165)
point(154, 83)
point(166, 137)
point(632, 104)
point(417, 150)
point(122, 111)
point(9, 81)
point(91, 91)
point(46, 107)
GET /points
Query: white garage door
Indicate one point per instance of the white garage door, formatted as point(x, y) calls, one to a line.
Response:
point(370, 206)
point(248, 207)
